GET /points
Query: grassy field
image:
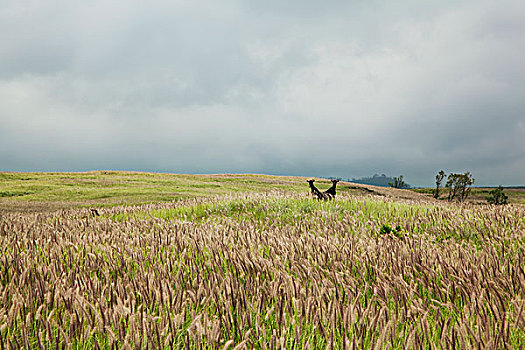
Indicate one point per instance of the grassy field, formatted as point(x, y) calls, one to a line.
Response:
point(35, 192)
point(253, 262)
point(479, 194)
point(41, 192)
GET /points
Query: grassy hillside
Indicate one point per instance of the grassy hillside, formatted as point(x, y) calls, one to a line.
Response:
point(48, 191)
point(38, 192)
point(263, 271)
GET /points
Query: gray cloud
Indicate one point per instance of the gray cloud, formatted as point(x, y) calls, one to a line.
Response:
point(276, 87)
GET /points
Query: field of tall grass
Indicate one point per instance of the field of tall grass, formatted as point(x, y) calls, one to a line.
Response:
point(265, 271)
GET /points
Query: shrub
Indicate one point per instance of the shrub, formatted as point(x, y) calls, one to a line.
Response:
point(387, 230)
point(497, 196)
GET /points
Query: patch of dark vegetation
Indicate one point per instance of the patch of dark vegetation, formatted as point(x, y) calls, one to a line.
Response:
point(14, 193)
point(497, 197)
point(364, 189)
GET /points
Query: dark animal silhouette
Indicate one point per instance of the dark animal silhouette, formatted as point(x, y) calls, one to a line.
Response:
point(94, 212)
point(331, 191)
point(315, 191)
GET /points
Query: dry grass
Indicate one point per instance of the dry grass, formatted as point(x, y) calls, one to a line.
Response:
point(265, 271)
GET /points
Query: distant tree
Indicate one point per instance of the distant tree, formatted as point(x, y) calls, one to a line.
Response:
point(459, 186)
point(398, 182)
point(451, 185)
point(439, 178)
point(497, 196)
point(465, 183)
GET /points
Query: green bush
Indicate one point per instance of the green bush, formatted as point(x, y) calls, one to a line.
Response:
point(388, 230)
point(497, 196)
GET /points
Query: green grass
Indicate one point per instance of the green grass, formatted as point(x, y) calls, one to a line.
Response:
point(35, 191)
point(380, 216)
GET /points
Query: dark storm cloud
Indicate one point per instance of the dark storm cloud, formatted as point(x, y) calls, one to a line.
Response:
point(340, 89)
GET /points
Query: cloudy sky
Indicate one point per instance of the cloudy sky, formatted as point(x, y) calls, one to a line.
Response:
point(314, 88)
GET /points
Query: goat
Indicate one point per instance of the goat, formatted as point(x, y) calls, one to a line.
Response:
point(315, 191)
point(330, 193)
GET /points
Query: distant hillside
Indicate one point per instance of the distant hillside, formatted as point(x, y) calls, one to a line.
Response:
point(44, 192)
point(377, 180)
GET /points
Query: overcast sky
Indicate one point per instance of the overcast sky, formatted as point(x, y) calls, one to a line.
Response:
point(313, 88)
